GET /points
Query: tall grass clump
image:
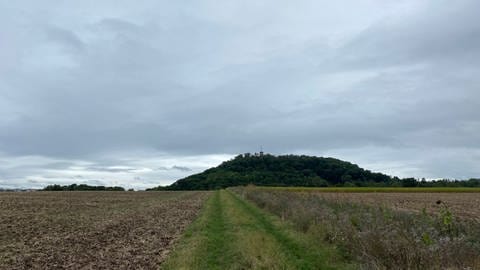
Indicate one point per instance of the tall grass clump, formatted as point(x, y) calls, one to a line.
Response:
point(377, 236)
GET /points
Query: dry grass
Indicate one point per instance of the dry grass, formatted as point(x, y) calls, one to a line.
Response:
point(462, 205)
point(377, 189)
point(370, 229)
point(84, 230)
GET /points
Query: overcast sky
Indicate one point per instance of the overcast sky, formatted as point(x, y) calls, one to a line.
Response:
point(141, 93)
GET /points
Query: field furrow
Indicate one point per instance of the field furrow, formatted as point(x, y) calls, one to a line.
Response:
point(92, 230)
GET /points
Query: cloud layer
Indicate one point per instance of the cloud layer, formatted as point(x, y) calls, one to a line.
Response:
point(115, 91)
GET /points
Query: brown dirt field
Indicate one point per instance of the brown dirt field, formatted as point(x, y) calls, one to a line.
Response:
point(92, 230)
point(462, 205)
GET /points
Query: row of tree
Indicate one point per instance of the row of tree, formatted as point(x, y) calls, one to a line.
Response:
point(412, 182)
point(81, 187)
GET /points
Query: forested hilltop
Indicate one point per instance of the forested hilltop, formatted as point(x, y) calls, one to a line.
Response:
point(295, 170)
point(287, 170)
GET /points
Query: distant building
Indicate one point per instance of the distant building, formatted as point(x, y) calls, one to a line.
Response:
point(260, 154)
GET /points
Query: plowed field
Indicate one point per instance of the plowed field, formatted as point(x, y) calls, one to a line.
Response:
point(92, 230)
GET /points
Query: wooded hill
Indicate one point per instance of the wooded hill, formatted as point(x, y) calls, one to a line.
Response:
point(286, 170)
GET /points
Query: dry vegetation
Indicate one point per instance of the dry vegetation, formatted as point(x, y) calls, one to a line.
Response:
point(462, 205)
point(384, 231)
point(92, 230)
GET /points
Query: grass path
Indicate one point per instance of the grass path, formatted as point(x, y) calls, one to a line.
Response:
point(232, 233)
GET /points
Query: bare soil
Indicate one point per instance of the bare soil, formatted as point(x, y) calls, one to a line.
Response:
point(462, 205)
point(92, 230)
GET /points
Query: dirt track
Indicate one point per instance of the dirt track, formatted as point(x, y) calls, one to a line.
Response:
point(92, 230)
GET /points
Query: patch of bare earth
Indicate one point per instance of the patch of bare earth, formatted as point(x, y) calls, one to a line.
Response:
point(92, 230)
point(462, 205)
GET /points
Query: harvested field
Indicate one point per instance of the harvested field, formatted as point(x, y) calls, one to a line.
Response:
point(462, 205)
point(92, 230)
point(462, 202)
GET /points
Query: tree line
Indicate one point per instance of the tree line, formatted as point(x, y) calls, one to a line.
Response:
point(81, 187)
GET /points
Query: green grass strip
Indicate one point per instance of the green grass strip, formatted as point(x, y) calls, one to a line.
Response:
point(299, 255)
point(232, 233)
point(215, 233)
point(205, 242)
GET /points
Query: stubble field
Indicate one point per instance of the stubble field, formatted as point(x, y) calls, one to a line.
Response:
point(461, 205)
point(92, 230)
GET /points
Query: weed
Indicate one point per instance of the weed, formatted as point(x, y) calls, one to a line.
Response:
point(379, 237)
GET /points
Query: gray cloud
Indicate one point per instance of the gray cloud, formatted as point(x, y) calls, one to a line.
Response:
point(181, 168)
point(65, 37)
point(111, 169)
point(112, 87)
